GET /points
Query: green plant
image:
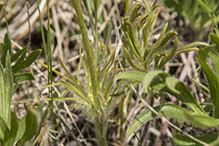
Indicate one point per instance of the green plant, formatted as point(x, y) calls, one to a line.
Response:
point(137, 27)
point(94, 99)
point(143, 56)
point(199, 117)
point(12, 128)
point(198, 12)
point(30, 125)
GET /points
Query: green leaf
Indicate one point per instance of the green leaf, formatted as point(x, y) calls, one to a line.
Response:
point(31, 126)
point(7, 43)
point(20, 65)
point(155, 46)
point(3, 52)
point(8, 91)
point(215, 59)
point(73, 79)
point(2, 91)
point(208, 106)
point(129, 59)
point(3, 128)
point(212, 79)
point(182, 140)
point(202, 121)
point(76, 91)
point(149, 78)
point(170, 54)
point(107, 33)
point(23, 77)
point(172, 86)
point(1, 6)
point(140, 120)
point(42, 118)
point(190, 47)
point(133, 75)
point(9, 138)
point(215, 40)
point(167, 110)
point(21, 128)
point(20, 52)
point(184, 95)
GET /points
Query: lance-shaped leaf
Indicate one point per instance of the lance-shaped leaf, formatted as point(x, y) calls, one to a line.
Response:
point(23, 77)
point(1, 6)
point(172, 86)
point(22, 64)
point(170, 54)
point(167, 110)
point(190, 47)
point(30, 125)
point(201, 120)
point(133, 75)
point(5, 47)
point(3, 128)
point(8, 88)
point(213, 80)
point(215, 40)
point(155, 46)
point(215, 58)
point(10, 135)
point(149, 77)
point(130, 61)
point(183, 140)
point(18, 53)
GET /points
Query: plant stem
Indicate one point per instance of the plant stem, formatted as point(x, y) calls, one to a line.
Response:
point(100, 132)
point(87, 47)
point(100, 126)
point(96, 34)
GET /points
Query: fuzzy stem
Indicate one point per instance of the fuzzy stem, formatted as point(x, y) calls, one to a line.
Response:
point(96, 34)
point(100, 132)
point(87, 47)
point(100, 126)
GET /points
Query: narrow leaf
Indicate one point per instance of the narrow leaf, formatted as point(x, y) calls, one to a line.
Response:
point(167, 110)
point(215, 40)
point(3, 128)
point(202, 121)
point(31, 126)
point(7, 43)
point(149, 78)
point(215, 59)
point(20, 52)
point(21, 128)
point(9, 138)
point(212, 79)
point(9, 90)
point(182, 140)
point(23, 77)
point(1, 6)
point(27, 62)
point(133, 75)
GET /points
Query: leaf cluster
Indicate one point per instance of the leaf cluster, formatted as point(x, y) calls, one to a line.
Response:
point(196, 11)
point(137, 27)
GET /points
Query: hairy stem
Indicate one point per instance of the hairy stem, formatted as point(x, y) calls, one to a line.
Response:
point(100, 132)
point(100, 126)
point(88, 49)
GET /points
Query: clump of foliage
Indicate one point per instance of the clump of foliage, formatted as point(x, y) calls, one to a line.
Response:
point(157, 80)
point(13, 129)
